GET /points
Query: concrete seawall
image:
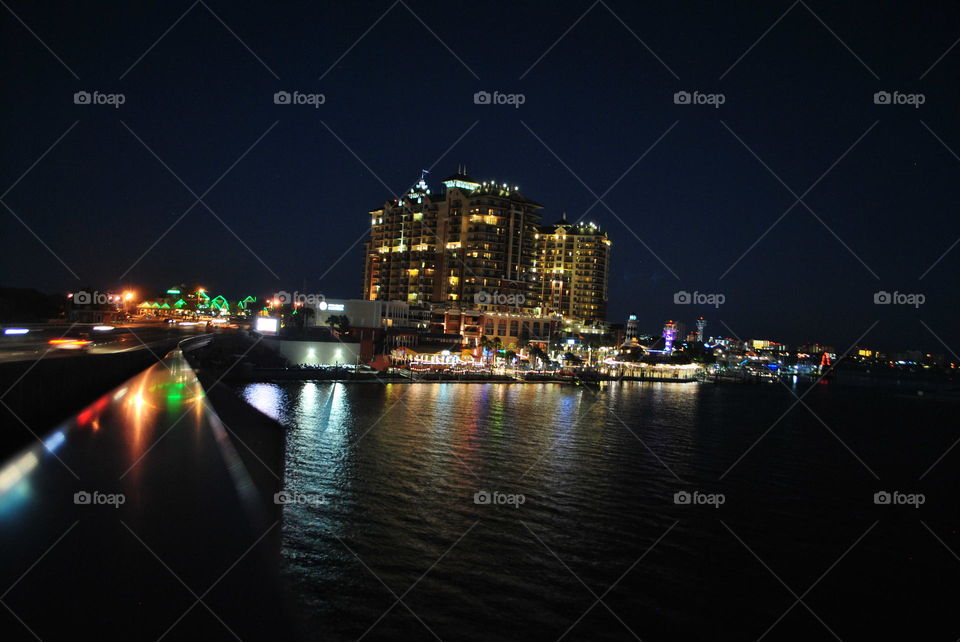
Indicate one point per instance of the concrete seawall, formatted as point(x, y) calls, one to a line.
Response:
point(259, 441)
point(42, 393)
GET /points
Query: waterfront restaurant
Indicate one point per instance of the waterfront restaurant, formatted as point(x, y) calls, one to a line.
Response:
point(431, 356)
point(651, 372)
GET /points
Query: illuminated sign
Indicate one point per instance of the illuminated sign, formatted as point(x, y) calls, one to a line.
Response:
point(267, 325)
point(461, 184)
point(336, 307)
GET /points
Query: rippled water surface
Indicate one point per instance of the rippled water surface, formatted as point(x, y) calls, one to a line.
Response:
point(396, 546)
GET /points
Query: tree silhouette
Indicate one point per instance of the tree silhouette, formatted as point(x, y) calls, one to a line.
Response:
point(339, 322)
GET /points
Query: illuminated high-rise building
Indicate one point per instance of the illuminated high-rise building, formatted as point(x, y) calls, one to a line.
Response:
point(701, 326)
point(633, 329)
point(472, 245)
point(574, 265)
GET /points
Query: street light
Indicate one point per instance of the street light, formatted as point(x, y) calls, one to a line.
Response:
point(127, 298)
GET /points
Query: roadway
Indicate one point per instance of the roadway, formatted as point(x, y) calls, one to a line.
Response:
point(130, 512)
point(65, 340)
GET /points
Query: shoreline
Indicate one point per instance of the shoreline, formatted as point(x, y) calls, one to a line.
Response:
point(504, 380)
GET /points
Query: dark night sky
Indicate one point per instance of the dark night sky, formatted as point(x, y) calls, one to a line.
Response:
point(399, 99)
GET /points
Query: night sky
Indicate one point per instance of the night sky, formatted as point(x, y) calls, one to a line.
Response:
point(288, 213)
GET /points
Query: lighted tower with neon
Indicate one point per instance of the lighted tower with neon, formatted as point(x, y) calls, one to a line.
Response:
point(669, 335)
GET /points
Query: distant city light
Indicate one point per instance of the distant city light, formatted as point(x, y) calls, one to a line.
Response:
point(268, 325)
point(16, 331)
point(69, 343)
point(103, 328)
point(54, 441)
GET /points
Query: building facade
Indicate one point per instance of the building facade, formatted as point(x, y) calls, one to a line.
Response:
point(574, 263)
point(477, 256)
point(472, 244)
point(513, 329)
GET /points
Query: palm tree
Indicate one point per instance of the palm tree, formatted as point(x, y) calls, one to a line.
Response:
point(537, 353)
point(485, 343)
point(339, 322)
point(497, 347)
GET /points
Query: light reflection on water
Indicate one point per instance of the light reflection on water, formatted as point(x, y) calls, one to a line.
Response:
point(398, 466)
